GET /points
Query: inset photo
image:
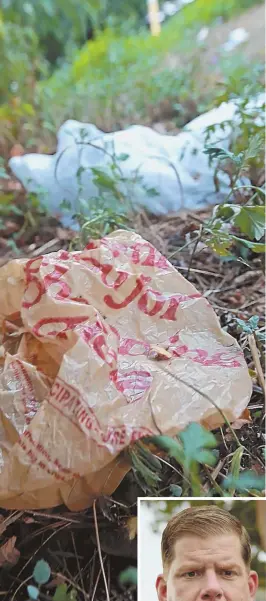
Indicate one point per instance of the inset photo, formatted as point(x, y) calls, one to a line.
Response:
point(201, 550)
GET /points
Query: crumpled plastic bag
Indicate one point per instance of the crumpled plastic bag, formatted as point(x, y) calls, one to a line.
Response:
point(80, 376)
point(175, 167)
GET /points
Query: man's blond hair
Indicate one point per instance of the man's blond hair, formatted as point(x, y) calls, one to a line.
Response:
point(204, 521)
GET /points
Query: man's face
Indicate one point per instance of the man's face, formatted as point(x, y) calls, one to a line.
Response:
point(207, 569)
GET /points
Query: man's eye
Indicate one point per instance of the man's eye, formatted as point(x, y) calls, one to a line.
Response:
point(228, 573)
point(191, 574)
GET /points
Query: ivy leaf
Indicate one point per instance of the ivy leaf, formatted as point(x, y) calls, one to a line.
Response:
point(196, 441)
point(256, 247)
point(33, 592)
point(251, 221)
point(128, 576)
point(41, 572)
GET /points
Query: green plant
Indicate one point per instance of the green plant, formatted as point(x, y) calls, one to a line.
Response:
point(41, 575)
point(128, 576)
point(221, 231)
point(192, 447)
point(111, 207)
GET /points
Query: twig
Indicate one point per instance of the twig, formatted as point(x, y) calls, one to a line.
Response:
point(99, 550)
point(44, 247)
point(9, 520)
point(50, 516)
point(203, 271)
point(35, 552)
point(178, 250)
point(96, 583)
point(78, 564)
point(256, 359)
point(20, 586)
point(194, 250)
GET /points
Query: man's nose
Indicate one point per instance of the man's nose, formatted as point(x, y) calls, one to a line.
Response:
point(211, 588)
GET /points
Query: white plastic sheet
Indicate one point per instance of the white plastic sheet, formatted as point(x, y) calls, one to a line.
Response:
point(175, 166)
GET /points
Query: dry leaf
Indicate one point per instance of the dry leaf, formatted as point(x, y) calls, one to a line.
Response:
point(2, 524)
point(131, 526)
point(5, 522)
point(34, 352)
point(8, 552)
point(17, 150)
point(245, 418)
point(159, 353)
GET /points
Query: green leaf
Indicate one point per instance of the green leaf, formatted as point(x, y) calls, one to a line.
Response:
point(195, 440)
point(144, 468)
point(215, 152)
point(147, 457)
point(248, 480)
point(72, 596)
point(220, 243)
point(103, 180)
point(122, 157)
point(254, 322)
point(170, 445)
point(65, 204)
point(251, 221)
point(249, 326)
point(235, 467)
point(176, 491)
point(33, 592)
point(256, 145)
point(80, 171)
point(129, 576)
point(3, 173)
point(41, 572)
point(61, 593)
point(256, 247)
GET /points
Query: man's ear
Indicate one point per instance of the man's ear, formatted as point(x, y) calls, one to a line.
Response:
point(161, 588)
point(253, 583)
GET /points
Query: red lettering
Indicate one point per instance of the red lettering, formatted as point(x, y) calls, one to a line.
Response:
point(108, 299)
point(54, 277)
point(139, 347)
point(153, 258)
point(108, 355)
point(148, 296)
point(65, 324)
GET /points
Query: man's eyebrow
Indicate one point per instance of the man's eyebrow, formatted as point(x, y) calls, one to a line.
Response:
point(192, 565)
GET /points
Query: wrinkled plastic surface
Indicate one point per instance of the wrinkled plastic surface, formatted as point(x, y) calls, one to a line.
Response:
point(84, 382)
point(175, 166)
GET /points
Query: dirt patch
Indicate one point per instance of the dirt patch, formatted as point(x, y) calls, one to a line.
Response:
point(253, 20)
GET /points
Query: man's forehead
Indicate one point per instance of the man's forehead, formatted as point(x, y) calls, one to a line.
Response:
point(222, 546)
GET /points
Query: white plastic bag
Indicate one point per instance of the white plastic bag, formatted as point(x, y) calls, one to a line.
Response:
point(85, 381)
point(174, 166)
